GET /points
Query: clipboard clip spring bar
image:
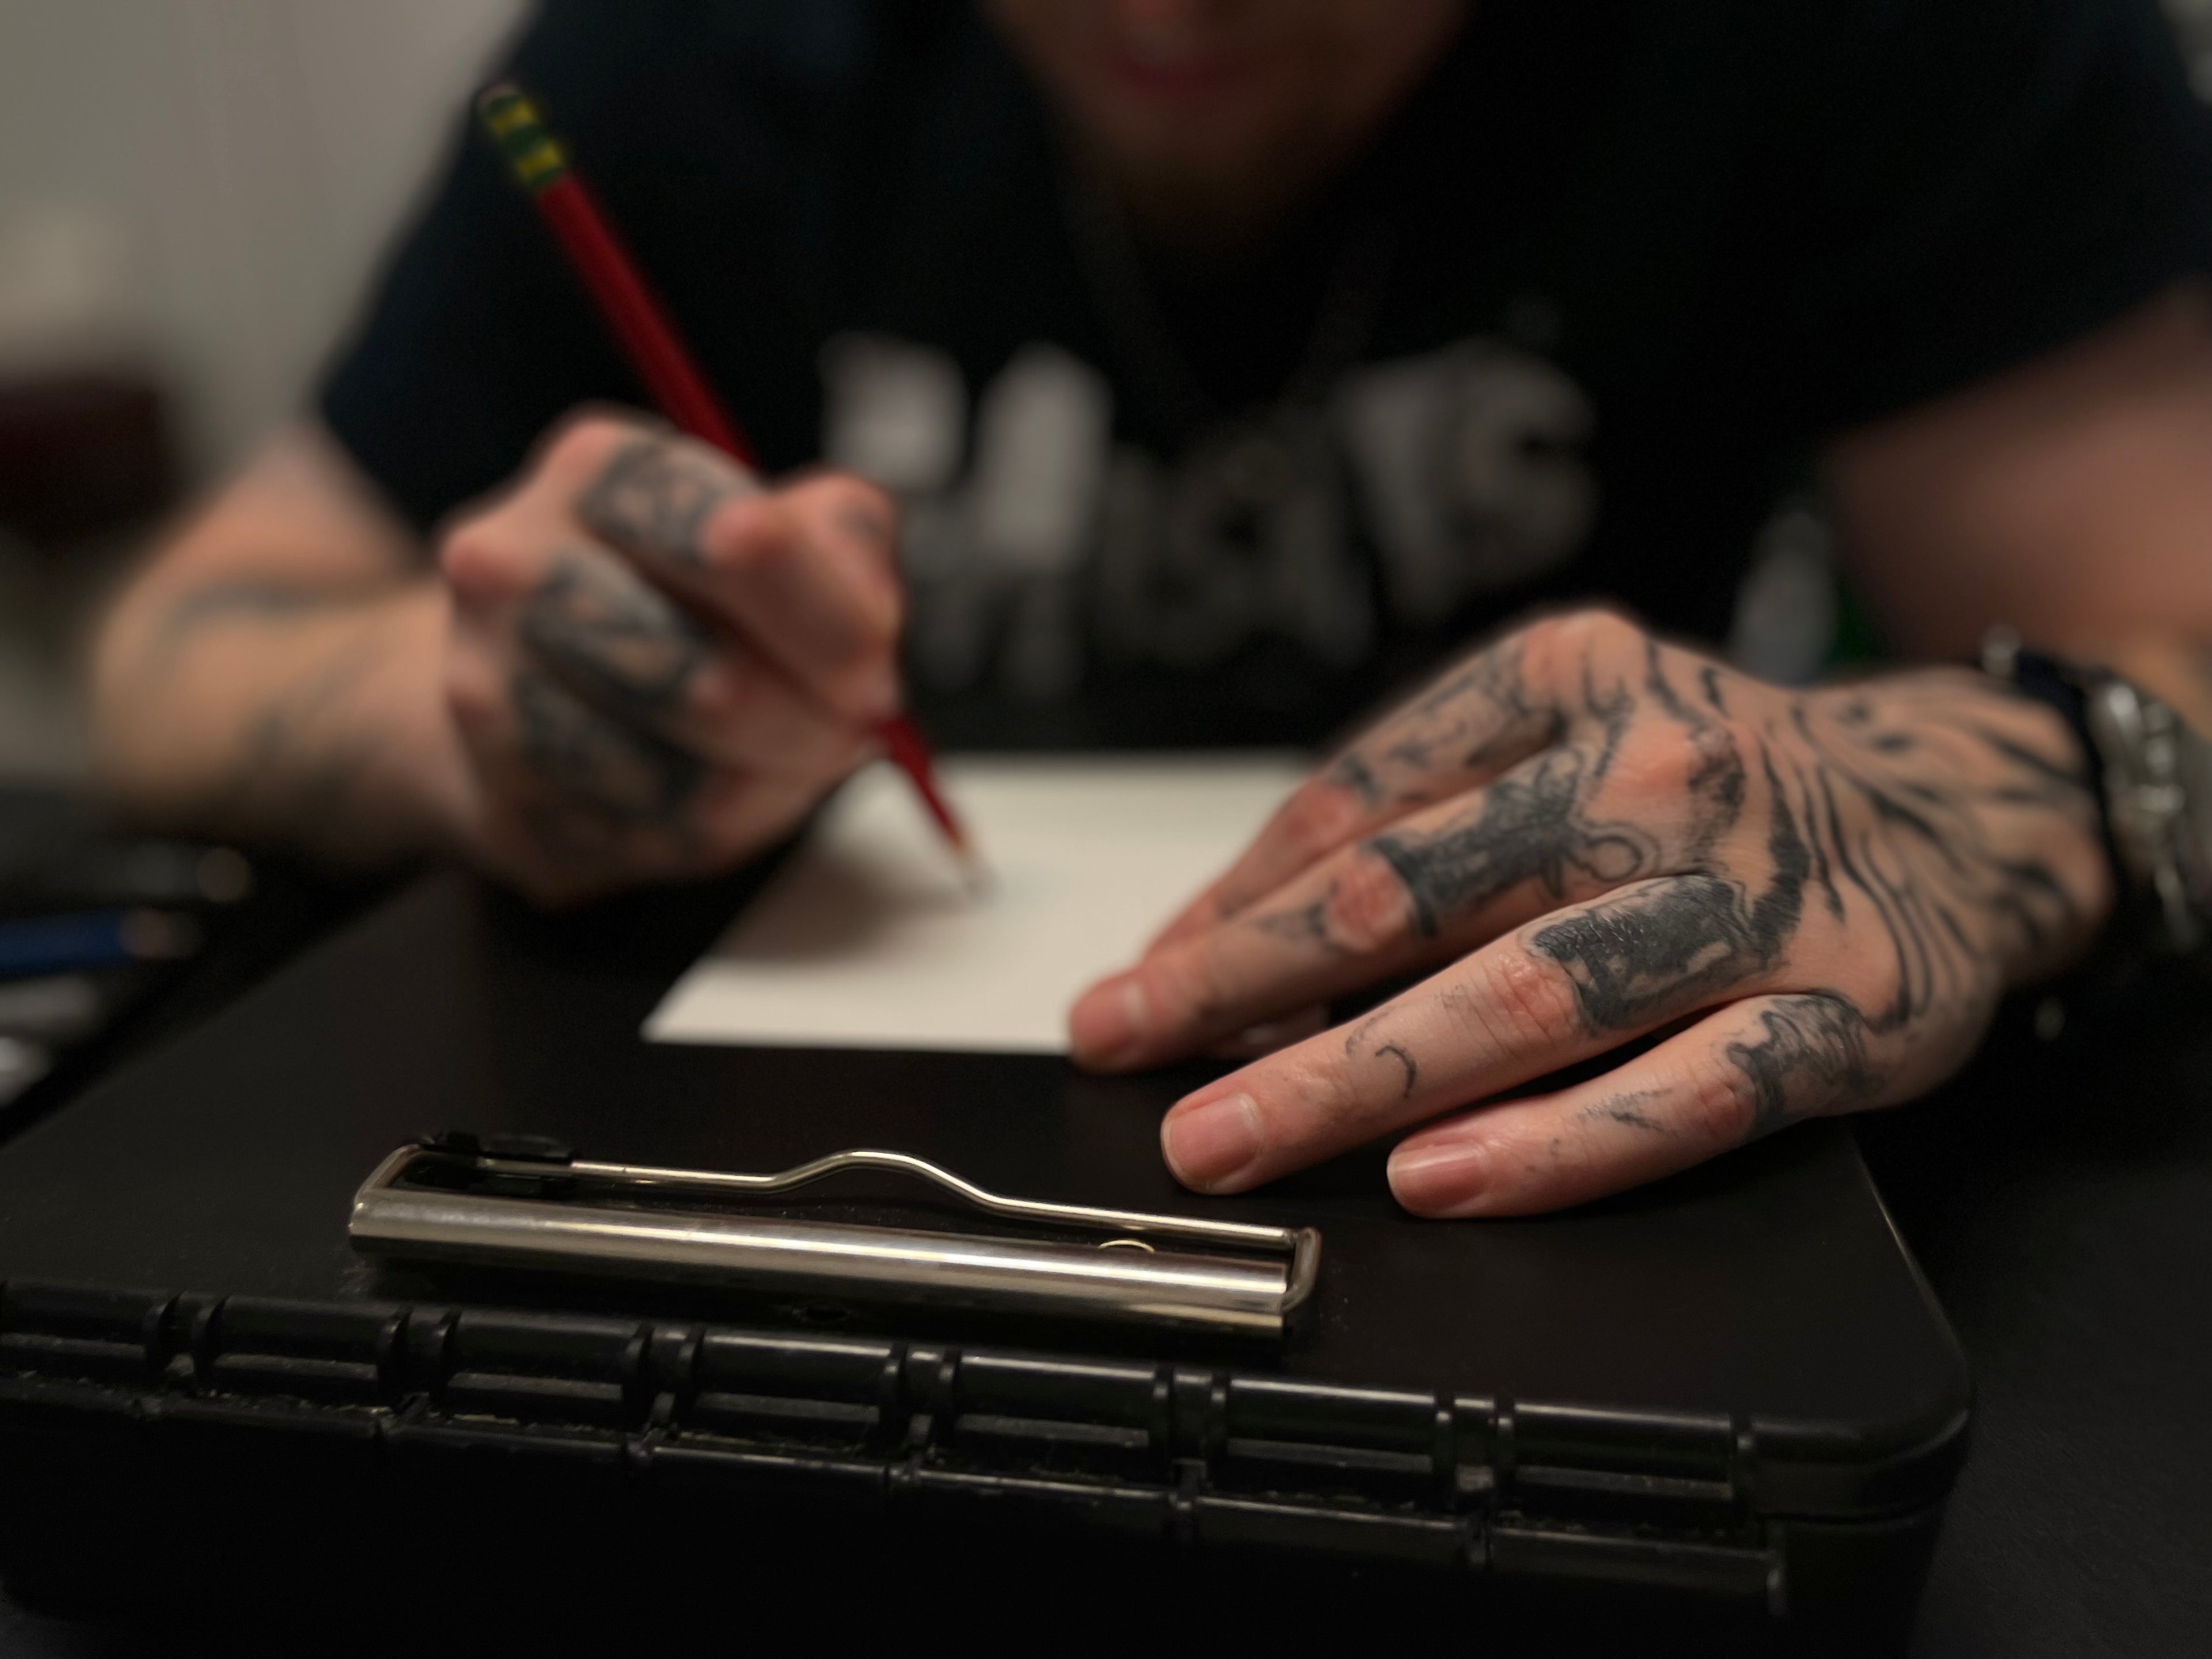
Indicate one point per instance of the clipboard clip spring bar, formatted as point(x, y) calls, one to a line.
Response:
point(521, 1200)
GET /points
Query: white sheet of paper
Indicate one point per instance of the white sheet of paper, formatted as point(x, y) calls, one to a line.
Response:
point(866, 938)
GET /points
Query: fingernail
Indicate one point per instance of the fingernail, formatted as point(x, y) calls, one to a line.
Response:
point(1208, 1146)
point(1442, 1180)
point(1107, 1026)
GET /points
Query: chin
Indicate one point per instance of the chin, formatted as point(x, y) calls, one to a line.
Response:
point(1213, 136)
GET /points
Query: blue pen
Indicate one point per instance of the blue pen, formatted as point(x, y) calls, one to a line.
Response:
point(93, 939)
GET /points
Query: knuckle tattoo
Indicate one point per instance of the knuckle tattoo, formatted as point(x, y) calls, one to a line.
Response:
point(622, 776)
point(1810, 1056)
point(1306, 924)
point(656, 496)
point(1476, 717)
point(1524, 829)
point(620, 640)
point(1660, 949)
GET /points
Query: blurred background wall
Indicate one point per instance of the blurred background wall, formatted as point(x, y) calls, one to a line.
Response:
point(210, 180)
point(192, 195)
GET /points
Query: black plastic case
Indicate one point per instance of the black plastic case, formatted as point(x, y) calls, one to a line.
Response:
point(1728, 1400)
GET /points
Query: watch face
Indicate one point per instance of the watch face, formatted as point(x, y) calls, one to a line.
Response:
point(2158, 796)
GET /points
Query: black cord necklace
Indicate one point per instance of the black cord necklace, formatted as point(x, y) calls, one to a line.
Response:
point(1253, 530)
point(1107, 257)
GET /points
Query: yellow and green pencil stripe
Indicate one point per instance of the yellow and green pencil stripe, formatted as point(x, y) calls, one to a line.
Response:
point(536, 156)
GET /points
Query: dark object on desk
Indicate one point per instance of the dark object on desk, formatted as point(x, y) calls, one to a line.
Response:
point(1721, 1396)
point(56, 855)
point(92, 920)
point(84, 941)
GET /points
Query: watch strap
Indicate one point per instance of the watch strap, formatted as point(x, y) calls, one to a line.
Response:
point(2045, 678)
point(2133, 745)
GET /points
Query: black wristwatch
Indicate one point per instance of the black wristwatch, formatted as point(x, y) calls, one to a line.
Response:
point(2155, 778)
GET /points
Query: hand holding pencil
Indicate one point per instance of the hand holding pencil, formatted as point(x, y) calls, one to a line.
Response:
point(658, 664)
point(803, 576)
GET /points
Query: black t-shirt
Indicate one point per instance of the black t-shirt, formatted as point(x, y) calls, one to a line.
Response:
point(1565, 329)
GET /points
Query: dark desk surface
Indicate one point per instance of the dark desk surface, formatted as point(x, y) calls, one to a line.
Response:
point(2060, 1198)
point(2061, 1203)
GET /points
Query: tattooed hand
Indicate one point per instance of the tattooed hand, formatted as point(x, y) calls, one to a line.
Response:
point(657, 666)
point(1814, 897)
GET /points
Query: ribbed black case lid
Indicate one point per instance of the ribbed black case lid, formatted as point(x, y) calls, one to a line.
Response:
point(1768, 1288)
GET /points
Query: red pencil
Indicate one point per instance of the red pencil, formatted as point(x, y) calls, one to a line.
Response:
point(648, 338)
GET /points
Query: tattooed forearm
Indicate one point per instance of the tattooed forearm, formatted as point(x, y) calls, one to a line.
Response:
point(301, 762)
point(255, 599)
point(656, 496)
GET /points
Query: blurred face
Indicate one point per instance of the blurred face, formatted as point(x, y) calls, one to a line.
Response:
point(1226, 104)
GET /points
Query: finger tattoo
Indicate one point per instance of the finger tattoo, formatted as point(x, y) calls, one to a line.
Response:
point(656, 496)
point(615, 638)
point(1627, 1109)
point(625, 775)
point(1352, 773)
point(1397, 1051)
point(1304, 924)
point(1480, 716)
point(1812, 1058)
point(1360, 1038)
point(1531, 830)
point(1660, 949)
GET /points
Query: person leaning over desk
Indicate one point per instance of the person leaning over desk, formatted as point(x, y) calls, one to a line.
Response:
point(1210, 364)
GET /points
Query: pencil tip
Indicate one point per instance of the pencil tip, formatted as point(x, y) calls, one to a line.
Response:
point(974, 874)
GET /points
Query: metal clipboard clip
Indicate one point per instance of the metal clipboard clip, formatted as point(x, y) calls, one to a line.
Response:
point(518, 1201)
